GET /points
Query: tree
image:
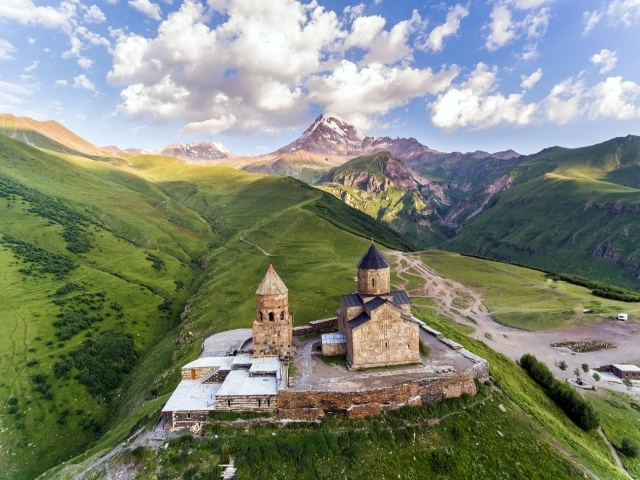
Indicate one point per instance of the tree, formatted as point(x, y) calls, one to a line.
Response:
point(576, 372)
point(585, 368)
point(563, 365)
point(627, 383)
point(596, 376)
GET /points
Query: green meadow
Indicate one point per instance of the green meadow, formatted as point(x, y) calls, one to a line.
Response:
point(524, 298)
point(98, 262)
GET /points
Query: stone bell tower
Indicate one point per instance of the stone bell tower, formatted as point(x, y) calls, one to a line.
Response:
point(272, 327)
point(374, 273)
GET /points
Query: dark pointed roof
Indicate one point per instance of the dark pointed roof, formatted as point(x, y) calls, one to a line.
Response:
point(373, 260)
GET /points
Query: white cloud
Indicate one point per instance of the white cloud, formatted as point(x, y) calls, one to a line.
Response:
point(617, 12)
point(353, 12)
point(435, 40)
point(32, 41)
point(81, 81)
point(473, 104)
point(265, 64)
point(529, 81)
point(32, 67)
point(6, 49)
point(85, 62)
point(94, 15)
point(614, 98)
point(11, 93)
point(25, 12)
point(151, 10)
point(61, 83)
point(81, 116)
point(360, 94)
point(212, 126)
point(504, 29)
point(606, 58)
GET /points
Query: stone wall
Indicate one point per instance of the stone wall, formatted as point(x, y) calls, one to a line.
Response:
point(333, 349)
point(272, 328)
point(187, 419)
point(196, 373)
point(317, 326)
point(247, 403)
point(386, 339)
point(369, 402)
point(374, 281)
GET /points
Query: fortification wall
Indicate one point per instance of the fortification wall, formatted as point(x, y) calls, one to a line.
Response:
point(317, 326)
point(296, 404)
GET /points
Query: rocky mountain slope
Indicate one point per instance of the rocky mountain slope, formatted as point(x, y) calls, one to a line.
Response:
point(384, 186)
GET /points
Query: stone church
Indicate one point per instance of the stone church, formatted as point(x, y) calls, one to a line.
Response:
point(272, 326)
point(376, 322)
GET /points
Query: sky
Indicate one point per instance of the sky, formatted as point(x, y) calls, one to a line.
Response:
point(253, 74)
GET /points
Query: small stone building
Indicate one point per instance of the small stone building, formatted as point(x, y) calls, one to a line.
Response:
point(376, 322)
point(272, 326)
point(632, 372)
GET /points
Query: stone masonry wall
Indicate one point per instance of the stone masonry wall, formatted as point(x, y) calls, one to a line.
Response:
point(318, 326)
point(186, 419)
point(369, 402)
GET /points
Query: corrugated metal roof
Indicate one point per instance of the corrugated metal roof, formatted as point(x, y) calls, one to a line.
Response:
point(400, 297)
point(333, 338)
point(352, 300)
point(272, 284)
point(626, 368)
point(359, 320)
point(373, 260)
point(375, 303)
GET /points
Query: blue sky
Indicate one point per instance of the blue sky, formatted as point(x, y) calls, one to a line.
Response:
point(488, 75)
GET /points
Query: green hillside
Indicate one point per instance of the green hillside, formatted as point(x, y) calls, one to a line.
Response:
point(567, 214)
point(97, 263)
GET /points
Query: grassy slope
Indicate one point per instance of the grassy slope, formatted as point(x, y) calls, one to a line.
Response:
point(565, 214)
point(135, 222)
point(620, 416)
point(524, 298)
point(158, 206)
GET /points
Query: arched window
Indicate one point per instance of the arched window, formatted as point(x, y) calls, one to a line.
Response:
point(282, 315)
point(271, 317)
point(373, 282)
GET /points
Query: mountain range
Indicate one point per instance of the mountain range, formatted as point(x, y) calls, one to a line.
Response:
point(501, 205)
point(116, 264)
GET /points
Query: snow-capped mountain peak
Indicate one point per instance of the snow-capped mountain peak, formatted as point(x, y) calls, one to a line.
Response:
point(195, 152)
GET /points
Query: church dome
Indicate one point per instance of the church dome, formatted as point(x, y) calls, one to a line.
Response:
point(373, 260)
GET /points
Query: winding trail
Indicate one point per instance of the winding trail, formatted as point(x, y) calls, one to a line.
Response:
point(465, 306)
point(264, 252)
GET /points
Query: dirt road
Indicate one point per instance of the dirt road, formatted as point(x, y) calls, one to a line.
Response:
point(466, 306)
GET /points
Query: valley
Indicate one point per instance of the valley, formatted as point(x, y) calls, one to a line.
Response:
point(116, 265)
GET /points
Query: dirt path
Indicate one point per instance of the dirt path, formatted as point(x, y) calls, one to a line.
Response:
point(264, 252)
point(465, 306)
point(613, 452)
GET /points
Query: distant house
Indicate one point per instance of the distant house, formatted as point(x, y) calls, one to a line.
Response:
point(623, 316)
point(631, 372)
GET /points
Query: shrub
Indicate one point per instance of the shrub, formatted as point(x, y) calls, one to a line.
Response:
point(103, 362)
point(13, 401)
point(596, 376)
point(563, 365)
point(629, 448)
point(39, 378)
point(585, 367)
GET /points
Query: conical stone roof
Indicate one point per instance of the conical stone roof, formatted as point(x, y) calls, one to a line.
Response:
point(373, 260)
point(272, 284)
